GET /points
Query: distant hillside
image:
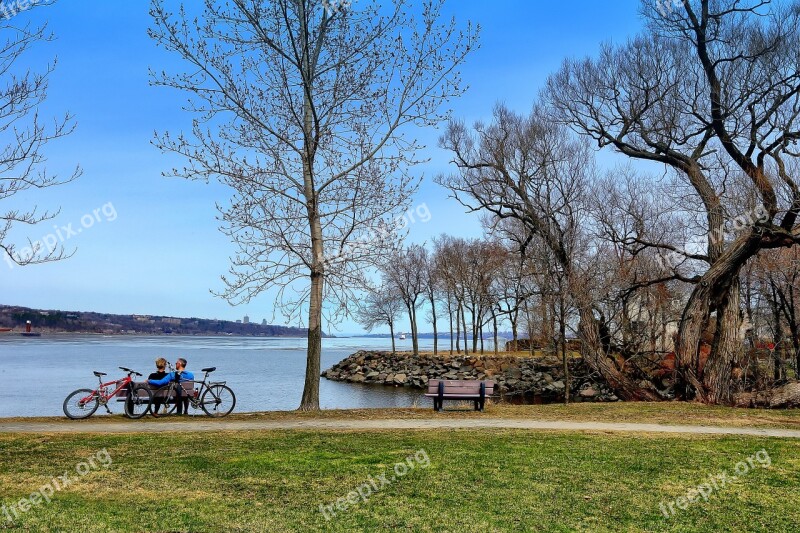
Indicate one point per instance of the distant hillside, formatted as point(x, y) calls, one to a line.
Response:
point(54, 321)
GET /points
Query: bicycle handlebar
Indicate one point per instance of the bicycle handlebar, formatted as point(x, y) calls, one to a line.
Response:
point(129, 371)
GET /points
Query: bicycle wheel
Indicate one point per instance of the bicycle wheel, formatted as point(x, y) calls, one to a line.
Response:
point(137, 403)
point(165, 405)
point(171, 407)
point(80, 404)
point(218, 400)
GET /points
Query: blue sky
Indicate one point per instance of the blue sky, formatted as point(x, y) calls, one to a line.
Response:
point(162, 252)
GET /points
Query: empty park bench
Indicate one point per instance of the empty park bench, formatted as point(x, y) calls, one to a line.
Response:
point(462, 389)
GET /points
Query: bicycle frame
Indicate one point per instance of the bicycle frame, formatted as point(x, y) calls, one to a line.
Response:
point(102, 390)
point(194, 399)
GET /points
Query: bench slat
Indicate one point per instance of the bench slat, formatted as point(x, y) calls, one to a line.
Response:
point(463, 386)
point(457, 396)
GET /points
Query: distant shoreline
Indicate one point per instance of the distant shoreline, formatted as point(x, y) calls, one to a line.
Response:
point(44, 334)
point(50, 321)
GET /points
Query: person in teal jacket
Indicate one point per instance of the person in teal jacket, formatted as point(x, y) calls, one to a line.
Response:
point(180, 374)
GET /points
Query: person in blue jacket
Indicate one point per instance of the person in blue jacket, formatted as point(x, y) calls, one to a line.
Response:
point(180, 374)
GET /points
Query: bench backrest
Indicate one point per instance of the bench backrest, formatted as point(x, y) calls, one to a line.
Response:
point(460, 386)
point(187, 386)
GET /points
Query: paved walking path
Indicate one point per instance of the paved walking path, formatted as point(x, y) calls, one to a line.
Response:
point(205, 424)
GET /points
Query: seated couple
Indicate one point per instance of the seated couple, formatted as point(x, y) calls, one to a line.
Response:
point(161, 377)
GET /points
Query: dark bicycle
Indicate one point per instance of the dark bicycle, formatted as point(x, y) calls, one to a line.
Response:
point(215, 398)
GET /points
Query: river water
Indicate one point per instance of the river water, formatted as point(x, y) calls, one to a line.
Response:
point(267, 374)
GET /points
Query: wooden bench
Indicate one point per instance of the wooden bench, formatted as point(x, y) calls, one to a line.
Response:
point(460, 389)
point(160, 393)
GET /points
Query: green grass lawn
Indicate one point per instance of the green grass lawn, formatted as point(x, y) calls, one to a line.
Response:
point(475, 481)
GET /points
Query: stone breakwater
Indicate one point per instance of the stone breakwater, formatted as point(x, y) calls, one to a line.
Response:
point(516, 378)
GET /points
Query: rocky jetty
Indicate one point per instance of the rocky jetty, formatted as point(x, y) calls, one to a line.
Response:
point(518, 379)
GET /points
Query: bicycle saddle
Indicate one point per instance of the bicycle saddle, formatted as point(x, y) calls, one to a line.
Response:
point(211, 369)
point(99, 374)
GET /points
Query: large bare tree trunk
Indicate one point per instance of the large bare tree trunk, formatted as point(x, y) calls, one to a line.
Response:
point(719, 285)
point(594, 355)
point(563, 334)
point(310, 400)
point(725, 349)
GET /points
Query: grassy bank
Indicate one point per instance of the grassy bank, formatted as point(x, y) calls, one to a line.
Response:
point(679, 413)
point(475, 481)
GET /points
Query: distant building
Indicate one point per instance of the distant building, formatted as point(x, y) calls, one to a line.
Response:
point(238, 321)
point(173, 321)
point(246, 319)
point(264, 322)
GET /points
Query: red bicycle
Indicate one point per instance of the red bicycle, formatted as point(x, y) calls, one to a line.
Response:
point(83, 403)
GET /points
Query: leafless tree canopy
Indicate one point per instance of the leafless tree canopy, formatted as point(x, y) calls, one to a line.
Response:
point(24, 135)
point(305, 112)
point(712, 90)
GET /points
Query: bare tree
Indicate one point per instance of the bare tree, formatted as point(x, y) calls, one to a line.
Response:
point(404, 271)
point(712, 91)
point(301, 107)
point(512, 287)
point(432, 286)
point(382, 306)
point(446, 257)
point(772, 281)
point(529, 169)
point(24, 136)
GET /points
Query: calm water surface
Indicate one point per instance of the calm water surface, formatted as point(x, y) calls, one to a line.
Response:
point(265, 373)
